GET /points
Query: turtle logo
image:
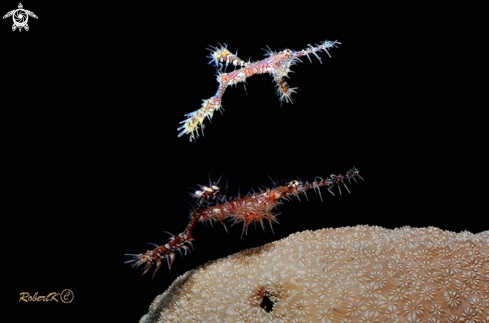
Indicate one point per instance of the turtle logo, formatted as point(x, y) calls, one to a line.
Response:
point(20, 17)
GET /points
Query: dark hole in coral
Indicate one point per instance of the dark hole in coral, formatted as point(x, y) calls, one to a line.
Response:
point(266, 303)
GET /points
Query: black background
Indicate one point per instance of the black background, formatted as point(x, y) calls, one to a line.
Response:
point(93, 167)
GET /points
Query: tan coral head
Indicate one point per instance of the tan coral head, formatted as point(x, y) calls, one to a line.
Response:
point(352, 274)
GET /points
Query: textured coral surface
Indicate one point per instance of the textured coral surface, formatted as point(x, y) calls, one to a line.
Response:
point(352, 274)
